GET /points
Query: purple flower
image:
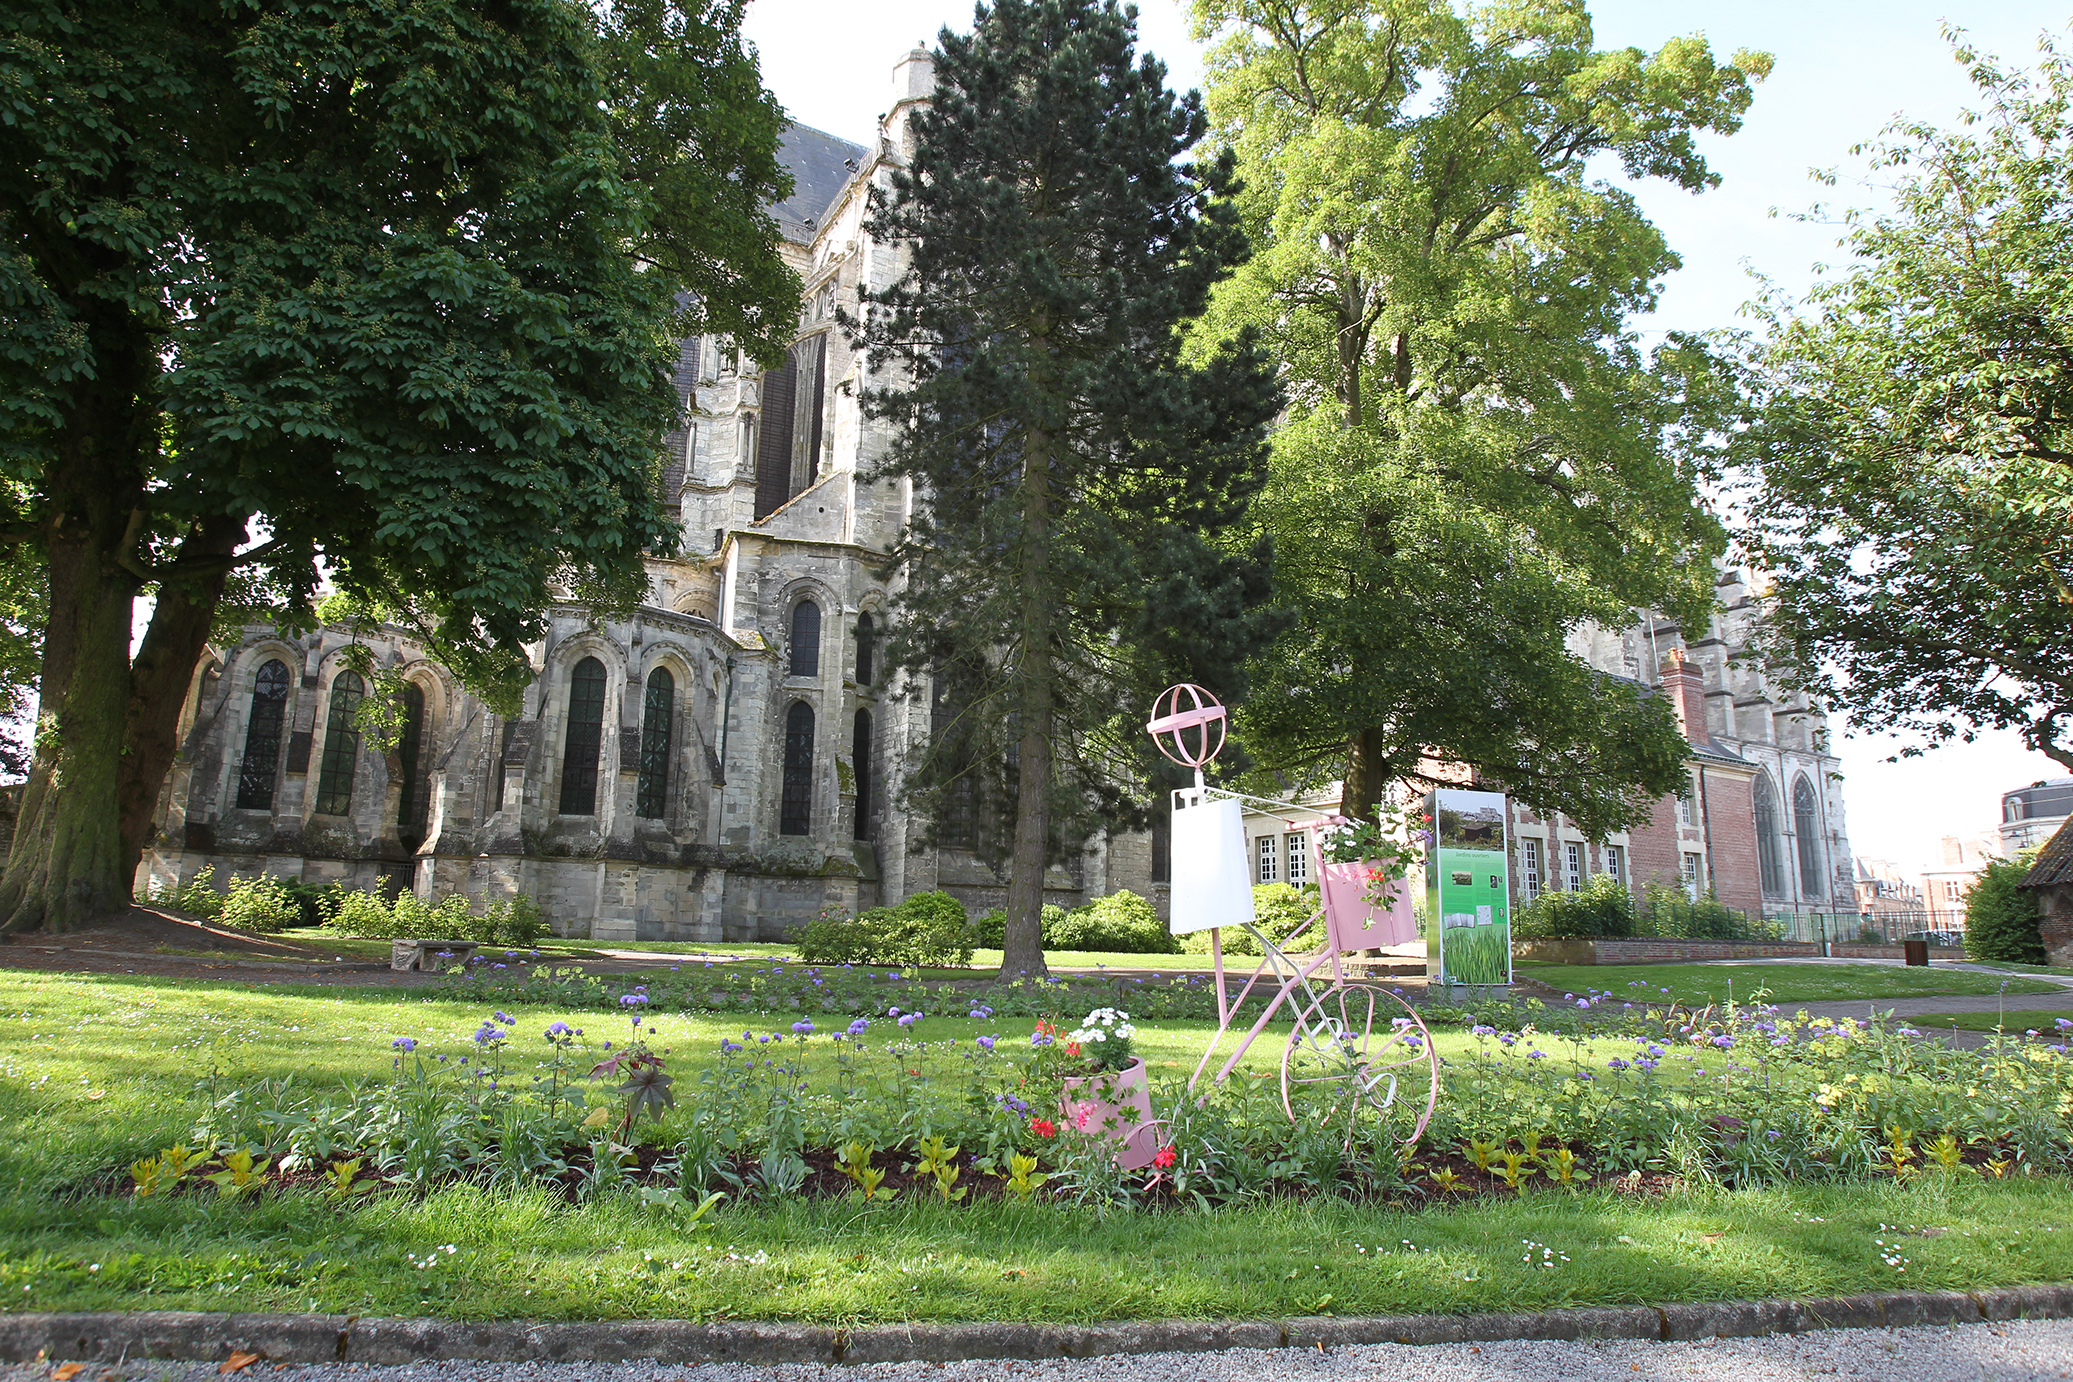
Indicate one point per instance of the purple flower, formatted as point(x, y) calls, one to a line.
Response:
point(506, 1018)
point(803, 1028)
point(986, 1043)
point(892, 1012)
point(632, 999)
point(1482, 1030)
point(404, 1044)
point(1617, 1064)
point(908, 1020)
point(859, 1027)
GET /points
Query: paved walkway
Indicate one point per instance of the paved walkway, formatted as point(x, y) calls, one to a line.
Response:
point(2022, 1351)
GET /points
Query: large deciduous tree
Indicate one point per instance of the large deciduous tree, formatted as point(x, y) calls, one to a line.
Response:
point(1478, 458)
point(1912, 469)
point(1072, 467)
point(359, 284)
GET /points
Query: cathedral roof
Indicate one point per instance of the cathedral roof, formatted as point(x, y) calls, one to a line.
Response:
point(820, 164)
point(2054, 863)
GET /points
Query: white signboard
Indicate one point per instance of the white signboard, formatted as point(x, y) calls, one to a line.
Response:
point(1211, 886)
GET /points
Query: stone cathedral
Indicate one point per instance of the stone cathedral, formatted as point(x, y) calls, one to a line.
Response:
point(722, 765)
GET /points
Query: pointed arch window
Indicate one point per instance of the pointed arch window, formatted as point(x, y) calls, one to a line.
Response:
point(341, 746)
point(806, 640)
point(1806, 829)
point(410, 805)
point(860, 761)
point(263, 737)
point(795, 811)
point(584, 740)
point(867, 648)
point(1770, 858)
point(658, 716)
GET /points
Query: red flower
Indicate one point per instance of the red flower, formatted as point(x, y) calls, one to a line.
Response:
point(1163, 1158)
point(1043, 1127)
point(1072, 1048)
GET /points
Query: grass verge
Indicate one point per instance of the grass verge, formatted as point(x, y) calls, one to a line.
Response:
point(1714, 982)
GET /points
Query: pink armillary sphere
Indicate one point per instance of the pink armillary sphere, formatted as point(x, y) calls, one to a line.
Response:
point(1180, 709)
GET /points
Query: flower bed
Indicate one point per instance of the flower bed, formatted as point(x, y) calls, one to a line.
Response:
point(875, 1106)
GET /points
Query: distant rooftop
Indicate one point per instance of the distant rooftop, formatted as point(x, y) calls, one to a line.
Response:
point(816, 160)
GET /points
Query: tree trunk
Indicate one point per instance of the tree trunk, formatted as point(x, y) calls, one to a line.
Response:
point(163, 671)
point(1023, 949)
point(1367, 775)
point(67, 867)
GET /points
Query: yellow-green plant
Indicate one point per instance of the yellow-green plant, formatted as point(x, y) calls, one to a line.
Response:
point(1514, 1172)
point(1024, 1180)
point(1481, 1153)
point(155, 1175)
point(241, 1172)
point(1947, 1152)
point(939, 1162)
point(343, 1180)
point(1532, 1141)
point(1900, 1151)
point(1446, 1180)
point(854, 1161)
point(1564, 1168)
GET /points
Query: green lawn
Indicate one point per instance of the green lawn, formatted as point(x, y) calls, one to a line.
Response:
point(1715, 982)
point(2015, 1020)
point(103, 1070)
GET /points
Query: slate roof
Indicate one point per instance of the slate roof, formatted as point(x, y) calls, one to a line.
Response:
point(815, 159)
point(2054, 863)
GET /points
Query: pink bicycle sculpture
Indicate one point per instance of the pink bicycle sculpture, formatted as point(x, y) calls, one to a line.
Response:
point(1357, 1044)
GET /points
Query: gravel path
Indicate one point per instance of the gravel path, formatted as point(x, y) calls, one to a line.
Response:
point(2013, 1352)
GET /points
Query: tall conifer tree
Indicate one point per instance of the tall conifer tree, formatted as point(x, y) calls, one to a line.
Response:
point(1072, 468)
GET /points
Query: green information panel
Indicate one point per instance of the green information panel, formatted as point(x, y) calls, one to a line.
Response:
point(1468, 924)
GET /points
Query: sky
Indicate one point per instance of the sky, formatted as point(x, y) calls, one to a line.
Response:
point(1844, 69)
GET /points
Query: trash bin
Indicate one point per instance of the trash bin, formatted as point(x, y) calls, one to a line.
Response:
point(1917, 952)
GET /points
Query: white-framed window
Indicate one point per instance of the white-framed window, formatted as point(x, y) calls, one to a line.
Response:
point(1529, 866)
point(1691, 876)
point(1953, 891)
point(1684, 808)
point(1573, 866)
point(1269, 852)
point(1298, 856)
point(1616, 863)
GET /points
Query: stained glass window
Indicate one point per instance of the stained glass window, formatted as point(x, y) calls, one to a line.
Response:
point(263, 737)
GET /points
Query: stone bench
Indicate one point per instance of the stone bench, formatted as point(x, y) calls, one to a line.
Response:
point(429, 955)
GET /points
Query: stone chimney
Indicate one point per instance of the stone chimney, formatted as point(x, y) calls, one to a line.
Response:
point(1687, 692)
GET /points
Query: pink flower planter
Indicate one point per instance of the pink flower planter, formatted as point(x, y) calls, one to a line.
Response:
point(1355, 923)
point(1116, 1104)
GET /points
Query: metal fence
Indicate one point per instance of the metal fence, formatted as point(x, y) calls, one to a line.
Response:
point(1941, 928)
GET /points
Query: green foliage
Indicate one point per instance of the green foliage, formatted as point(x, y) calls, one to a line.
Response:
point(1601, 908)
point(1279, 909)
point(1121, 923)
point(990, 930)
point(1666, 911)
point(1478, 457)
point(514, 921)
point(399, 284)
point(1914, 504)
point(928, 929)
point(24, 608)
point(2001, 918)
point(264, 905)
point(1063, 571)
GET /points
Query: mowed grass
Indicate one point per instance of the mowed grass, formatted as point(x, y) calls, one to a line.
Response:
point(102, 1070)
point(2014, 1021)
point(1715, 982)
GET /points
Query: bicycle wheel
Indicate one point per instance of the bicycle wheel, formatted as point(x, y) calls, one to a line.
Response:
point(1362, 1048)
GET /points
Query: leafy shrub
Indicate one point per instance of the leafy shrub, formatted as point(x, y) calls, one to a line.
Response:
point(927, 929)
point(1668, 912)
point(197, 897)
point(1121, 923)
point(2000, 918)
point(1602, 908)
point(1279, 908)
point(262, 905)
point(512, 921)
point(990, 931)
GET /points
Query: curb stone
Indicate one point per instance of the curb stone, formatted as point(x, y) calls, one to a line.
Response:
point(110, 1336)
